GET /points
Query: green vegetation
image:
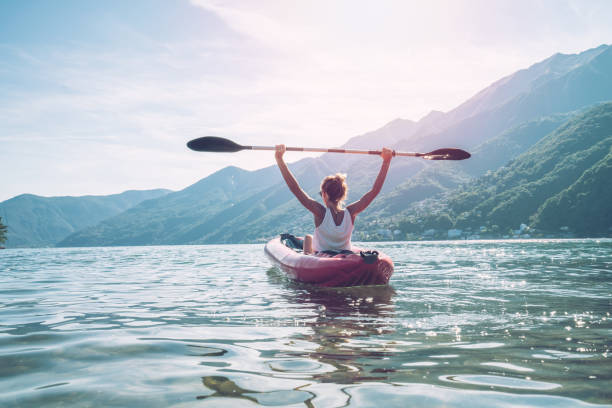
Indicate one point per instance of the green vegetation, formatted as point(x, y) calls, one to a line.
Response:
point(3, 229)
point(559, 186)
point(585, 206)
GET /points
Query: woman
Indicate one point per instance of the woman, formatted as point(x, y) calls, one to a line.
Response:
point(333, 224)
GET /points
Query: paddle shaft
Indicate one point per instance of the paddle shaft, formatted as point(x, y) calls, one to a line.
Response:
point(321, 150)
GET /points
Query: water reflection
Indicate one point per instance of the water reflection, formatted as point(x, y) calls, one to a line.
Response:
point(347, 302)
point(223, 387)
point(338, 347)
point(345, 329)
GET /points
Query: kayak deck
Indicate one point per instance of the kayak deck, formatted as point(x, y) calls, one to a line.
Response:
point(324, 269)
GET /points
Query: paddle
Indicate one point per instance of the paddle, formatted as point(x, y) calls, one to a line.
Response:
point(221, 145)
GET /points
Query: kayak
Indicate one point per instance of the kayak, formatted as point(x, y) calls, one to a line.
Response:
point(350, 268)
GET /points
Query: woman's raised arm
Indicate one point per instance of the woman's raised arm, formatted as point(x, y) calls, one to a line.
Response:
point(361, 204)
point(311, 205)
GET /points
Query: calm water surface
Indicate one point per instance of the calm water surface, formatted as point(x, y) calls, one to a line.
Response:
point(479, 324)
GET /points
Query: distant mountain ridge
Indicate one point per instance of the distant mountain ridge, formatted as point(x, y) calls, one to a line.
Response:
point(498, 124)
point(35, 221)
point(522, 82)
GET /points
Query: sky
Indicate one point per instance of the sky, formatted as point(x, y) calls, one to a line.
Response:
point(99, 97)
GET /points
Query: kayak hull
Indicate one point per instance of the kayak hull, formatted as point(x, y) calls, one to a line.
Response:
point(328, 270)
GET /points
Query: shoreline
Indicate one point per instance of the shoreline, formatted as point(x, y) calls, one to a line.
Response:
point(381, 241)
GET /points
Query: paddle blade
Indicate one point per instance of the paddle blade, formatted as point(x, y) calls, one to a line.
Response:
point(447, 154)
point(214, 144)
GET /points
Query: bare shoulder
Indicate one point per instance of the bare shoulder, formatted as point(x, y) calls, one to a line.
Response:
point(319, 214)
point(355, 208)
point(352, 212)
point(319, 210)
point(314, 207)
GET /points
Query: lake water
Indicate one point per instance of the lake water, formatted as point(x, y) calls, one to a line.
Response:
point(478, 324)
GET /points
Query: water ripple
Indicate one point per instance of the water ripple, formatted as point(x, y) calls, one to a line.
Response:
point(487, 323)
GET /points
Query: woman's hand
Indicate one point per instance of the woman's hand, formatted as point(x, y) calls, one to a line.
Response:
point(280, 150)
point(386, 154)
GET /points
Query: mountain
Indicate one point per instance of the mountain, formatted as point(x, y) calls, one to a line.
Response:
point(562, 83)
point(561, 181)
point(184, 216)
point(523, 82)
point(388, 135)
point(506, 118)
point(497, 125)
point(503, 121)
point(512, 142)
point(438, 178)
point(35, 221)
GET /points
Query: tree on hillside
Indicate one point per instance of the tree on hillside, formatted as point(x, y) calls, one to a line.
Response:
point(2, 232)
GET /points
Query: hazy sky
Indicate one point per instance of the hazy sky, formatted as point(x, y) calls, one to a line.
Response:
point(97, 97)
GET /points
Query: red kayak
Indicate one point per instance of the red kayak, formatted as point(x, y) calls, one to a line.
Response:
point(357, 268)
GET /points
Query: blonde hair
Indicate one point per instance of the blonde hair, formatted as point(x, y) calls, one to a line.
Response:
point(335, 187)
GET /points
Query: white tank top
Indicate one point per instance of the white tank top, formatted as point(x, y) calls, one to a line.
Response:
point(328, 235)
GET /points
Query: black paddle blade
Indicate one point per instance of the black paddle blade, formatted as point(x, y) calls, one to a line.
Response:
point(214, 144)
point(447, 154)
